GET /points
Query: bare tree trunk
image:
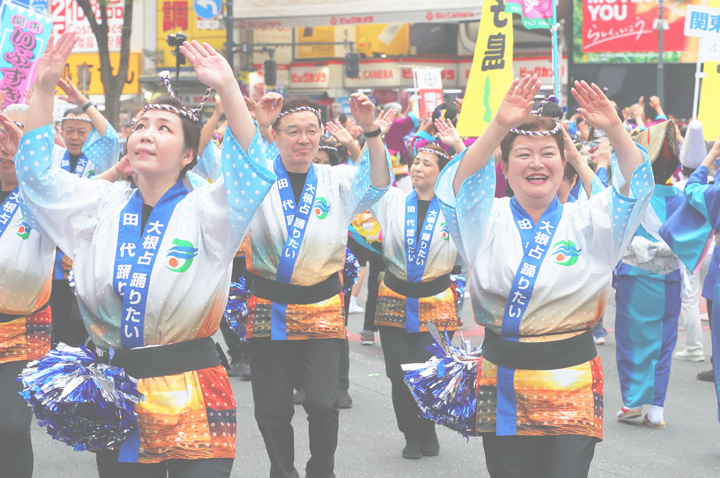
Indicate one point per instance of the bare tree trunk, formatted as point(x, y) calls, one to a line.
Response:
point(112, 84)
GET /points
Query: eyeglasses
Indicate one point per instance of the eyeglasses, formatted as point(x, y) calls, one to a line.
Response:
point(295, 133)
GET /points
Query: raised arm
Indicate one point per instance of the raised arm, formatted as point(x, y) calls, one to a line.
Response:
point(213, 70)
point(363, 110)
point(344, 137)
point(513, 111)
point(600, 113)
point(209, 128)
point(573, 156)
point(72, 95)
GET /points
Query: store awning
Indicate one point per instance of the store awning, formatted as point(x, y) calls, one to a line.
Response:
point(314, 13)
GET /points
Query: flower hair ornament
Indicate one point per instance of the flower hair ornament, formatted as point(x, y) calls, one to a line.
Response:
point(435, 152)
point(192, 114)
point(538, 112)
point(299, 109)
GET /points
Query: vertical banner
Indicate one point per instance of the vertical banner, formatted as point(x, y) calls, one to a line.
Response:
point(23, 37)
point(710, 101)
point(428, 81)
point(491, 73)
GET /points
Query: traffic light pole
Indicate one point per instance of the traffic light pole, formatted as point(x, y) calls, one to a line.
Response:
point(230, 32)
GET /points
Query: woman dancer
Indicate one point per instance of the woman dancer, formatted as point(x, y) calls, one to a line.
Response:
point(419, 256)
point(295, 251)
point(129, 299)
point(537, 270)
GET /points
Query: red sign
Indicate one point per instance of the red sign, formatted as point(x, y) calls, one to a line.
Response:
point(627, 26)
point(69, 16)
point(351, 20)
point(175, 15)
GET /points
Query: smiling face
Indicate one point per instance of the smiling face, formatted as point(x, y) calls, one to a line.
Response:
point(534, 170)
point(75, 133)
point(156, 148)
point(424, 171)
point(297, 136)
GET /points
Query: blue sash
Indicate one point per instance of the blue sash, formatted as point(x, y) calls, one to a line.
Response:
point(416, 252)
point(296, 220)
point(537, 240)
point(9, 206)
point(79, 166)
point(135, 257)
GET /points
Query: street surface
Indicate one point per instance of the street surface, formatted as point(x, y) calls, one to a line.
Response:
point(370, 444)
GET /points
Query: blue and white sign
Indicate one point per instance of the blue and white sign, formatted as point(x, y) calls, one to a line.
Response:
point(702, 22)
point(207, 9)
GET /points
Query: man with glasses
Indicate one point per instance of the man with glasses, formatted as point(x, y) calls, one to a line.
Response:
point(295, 257)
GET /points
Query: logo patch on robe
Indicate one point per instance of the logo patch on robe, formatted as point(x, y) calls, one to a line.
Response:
point(444, 231)
point(180, 256)
point(24, 229)
point(321, 208)
point(565, 253)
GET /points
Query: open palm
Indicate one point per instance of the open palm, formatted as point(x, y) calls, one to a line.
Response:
point(212, 69)
point(595, 107)
point(518, 102)
point(268, 109)
point(51, 63)
point(363, 110)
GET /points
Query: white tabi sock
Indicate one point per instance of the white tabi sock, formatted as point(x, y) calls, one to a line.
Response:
point(626, 409)
point(655, 415)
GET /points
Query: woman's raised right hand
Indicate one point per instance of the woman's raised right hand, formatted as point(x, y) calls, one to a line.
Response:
point(51, 63)
point(517, 102)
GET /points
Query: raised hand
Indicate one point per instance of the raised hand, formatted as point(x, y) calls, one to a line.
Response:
point(268, 109)
point(219, 110)
point(211, 68)
point(571, 152)
point(596, 107)
point(51, 63)
point(13, 133)
point(72, 94)
point(458, 102)
point(517, 102)
point(603, 154)
point(363, 110)
point(385, 120)
point(336, 130)
point(447, 133)
point(123, 167)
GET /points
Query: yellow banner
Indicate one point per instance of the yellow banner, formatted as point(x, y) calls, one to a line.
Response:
point(179, 16)
point(491, 73)
point(710, 101)
point(84, 71)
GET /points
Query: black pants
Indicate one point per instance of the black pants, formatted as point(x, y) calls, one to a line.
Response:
point(345, 364)
point(108, 467)
point(67, 323)
point(16, 454)
point(400, 347)
point(561, 456)
point(375, 266)
point(275, 365)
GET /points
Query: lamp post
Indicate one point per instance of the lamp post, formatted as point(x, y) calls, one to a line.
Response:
point(660, 68)
point(229, 39)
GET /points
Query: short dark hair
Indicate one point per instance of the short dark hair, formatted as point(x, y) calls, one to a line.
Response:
point(343, 119)
point(77, 111)
point(292, 102)
point(447, 111)
point(333, 156)
point(534, 123)
point(442, 157)
point(191, 129)
point(570, 173)
point(552, 110)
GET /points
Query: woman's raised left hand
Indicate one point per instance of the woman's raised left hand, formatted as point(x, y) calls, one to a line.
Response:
point(211, 68)
point(595, 107)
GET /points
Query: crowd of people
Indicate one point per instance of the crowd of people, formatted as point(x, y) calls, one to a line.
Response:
point(545, 218)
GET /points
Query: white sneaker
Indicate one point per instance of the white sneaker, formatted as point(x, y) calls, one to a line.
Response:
point(599, 340)
point(690, 355)
point(354, 308)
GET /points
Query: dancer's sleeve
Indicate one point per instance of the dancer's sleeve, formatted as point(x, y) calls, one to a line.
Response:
point(63, 206)
point(103, 151)
point(356, 192)
point(228, 205)
point(467, 214)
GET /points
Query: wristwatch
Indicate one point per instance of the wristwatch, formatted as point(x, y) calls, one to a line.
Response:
point(88, 105)
point(373, 134)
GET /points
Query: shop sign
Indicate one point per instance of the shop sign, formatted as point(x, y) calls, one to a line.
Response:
point(68, 16)
point(310, 76)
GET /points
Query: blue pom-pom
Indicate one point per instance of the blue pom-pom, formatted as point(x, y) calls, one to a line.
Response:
point(71, 281)
point(350, 272)
point(457, 285)
point(236, 311)
point(445, 386)
point(79, 401)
